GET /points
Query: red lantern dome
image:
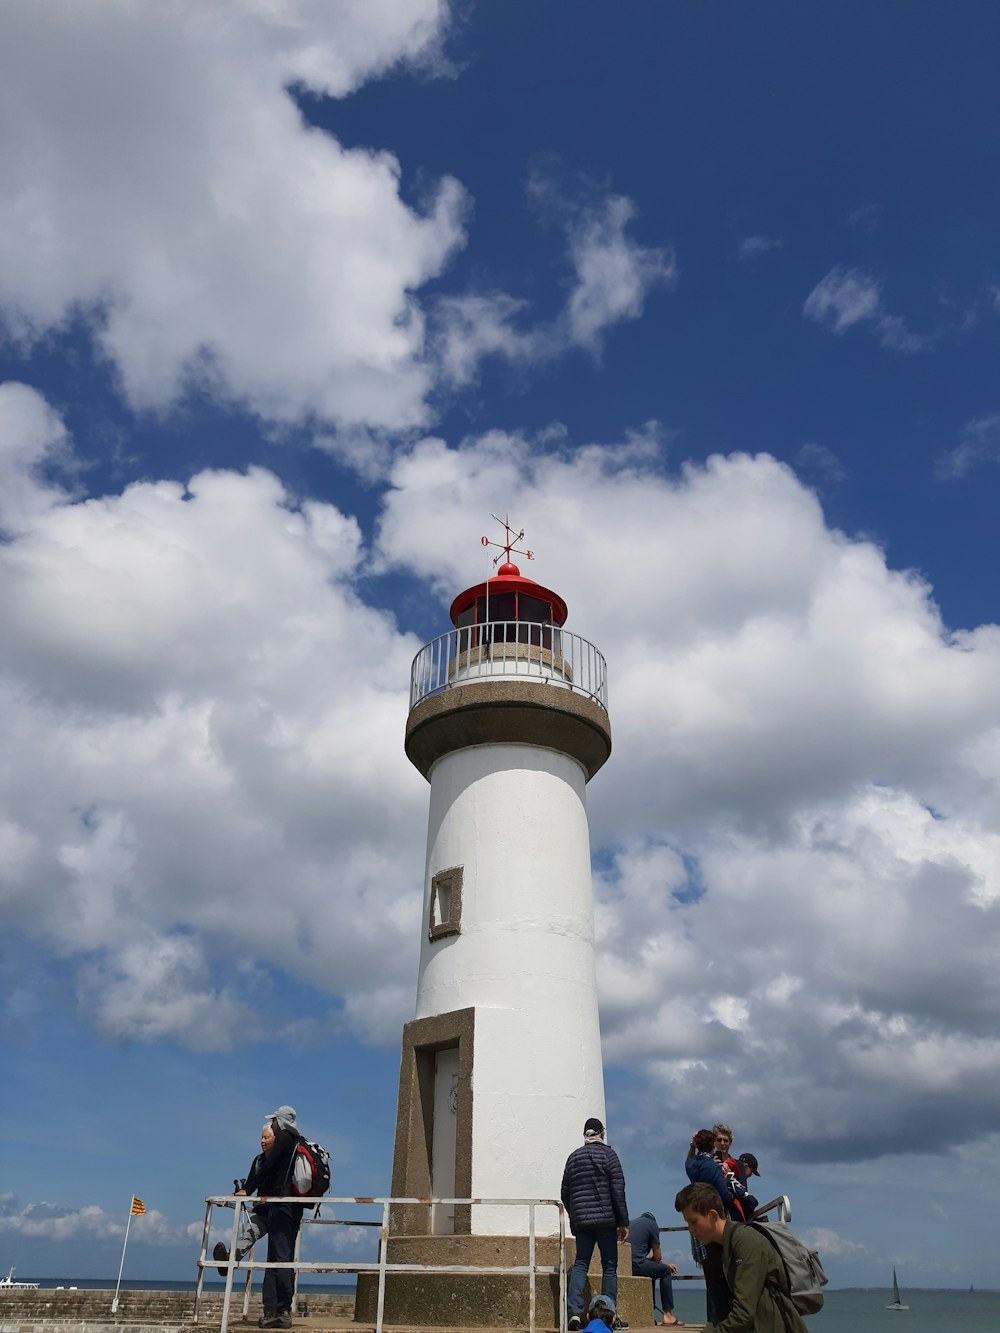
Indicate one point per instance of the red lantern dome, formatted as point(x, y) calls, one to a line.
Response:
point(509, 597)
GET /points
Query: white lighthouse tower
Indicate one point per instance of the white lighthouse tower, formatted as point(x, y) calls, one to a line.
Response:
point(501, 1064)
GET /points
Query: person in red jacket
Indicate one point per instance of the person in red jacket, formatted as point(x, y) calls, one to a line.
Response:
point(733, 1171)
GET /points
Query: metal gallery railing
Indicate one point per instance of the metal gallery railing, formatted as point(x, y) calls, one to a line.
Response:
point(532, 1270)
point(517, 649)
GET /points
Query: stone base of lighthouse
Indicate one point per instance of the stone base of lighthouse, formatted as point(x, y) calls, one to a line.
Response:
point(434, 1158)
point(470, 1300)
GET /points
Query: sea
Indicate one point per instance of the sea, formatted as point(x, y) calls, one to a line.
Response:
point(852, 1310)
point(863, 1311)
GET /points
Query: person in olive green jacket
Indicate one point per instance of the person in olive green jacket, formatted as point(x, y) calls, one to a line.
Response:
point(751, 1265)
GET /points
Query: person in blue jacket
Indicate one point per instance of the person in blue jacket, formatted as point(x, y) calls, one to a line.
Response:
point(702, 1168)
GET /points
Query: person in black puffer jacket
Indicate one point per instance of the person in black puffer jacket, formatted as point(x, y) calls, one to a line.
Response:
point(593, 1193)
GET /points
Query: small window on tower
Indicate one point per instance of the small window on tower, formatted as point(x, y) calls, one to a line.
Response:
point(446, 904)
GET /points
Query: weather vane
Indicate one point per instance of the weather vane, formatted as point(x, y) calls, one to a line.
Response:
point(510, 544)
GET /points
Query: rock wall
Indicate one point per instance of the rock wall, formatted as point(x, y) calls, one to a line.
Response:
point(167, 1308)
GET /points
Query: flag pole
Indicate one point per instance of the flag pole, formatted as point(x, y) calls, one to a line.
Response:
point(114, 1303)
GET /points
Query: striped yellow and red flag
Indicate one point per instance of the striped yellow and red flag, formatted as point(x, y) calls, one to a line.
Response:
point(138, 1207)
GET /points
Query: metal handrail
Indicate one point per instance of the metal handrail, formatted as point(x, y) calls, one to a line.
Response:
point(532, 1270)
point(783, 1205)
point(518, 649)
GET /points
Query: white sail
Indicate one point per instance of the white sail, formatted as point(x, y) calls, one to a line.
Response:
point(896, 1303)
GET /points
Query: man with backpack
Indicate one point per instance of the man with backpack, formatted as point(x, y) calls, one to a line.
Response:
point(289, 1164)
point(272, 1178)
point(751, 1265)
point(283, 1220)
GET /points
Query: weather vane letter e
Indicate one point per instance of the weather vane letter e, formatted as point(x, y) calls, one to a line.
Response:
point(510, 544)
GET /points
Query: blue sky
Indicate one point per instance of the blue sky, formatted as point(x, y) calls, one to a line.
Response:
point(291, 297)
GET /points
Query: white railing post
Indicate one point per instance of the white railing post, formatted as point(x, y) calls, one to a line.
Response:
point(531, 1264)
point(383, 1246)
point(562, 1269)
point(246, 1289)
point(296, 1256)
point(228, 1294)
point(199, 1287)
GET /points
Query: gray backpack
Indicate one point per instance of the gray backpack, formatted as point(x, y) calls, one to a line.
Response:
point(804, 1274)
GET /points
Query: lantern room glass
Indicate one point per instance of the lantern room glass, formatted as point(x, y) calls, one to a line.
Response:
point(509, 617)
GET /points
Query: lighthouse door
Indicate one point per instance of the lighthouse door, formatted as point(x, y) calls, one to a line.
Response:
point(443, 1140)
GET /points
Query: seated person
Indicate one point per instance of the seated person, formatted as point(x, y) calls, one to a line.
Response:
point(602, 1314)
point(647, 1261)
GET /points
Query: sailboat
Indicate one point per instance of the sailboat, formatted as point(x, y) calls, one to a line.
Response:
point(896, 1303)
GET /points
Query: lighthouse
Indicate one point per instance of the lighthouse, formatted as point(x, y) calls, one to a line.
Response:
point(501, 1064)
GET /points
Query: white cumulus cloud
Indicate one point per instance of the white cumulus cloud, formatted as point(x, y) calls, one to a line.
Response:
point(800, 852)
point(797, 837)
point(202, 722)
point(66, 1222)
point(160, 183)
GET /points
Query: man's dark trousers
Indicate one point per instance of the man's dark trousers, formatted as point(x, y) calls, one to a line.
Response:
point(658, 1272)
point(607, 1241)
point(718, 1297)
point(283, 1220)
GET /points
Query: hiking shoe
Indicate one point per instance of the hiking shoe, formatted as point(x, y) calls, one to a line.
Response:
point(283, 1320)
point(575, 1323)
point(221, 1255)
point(619, 1324)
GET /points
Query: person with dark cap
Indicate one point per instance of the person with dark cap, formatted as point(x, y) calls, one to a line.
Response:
point(593, 1194)
point(603, 1315)
point(647, 1261)
point(749, 1165)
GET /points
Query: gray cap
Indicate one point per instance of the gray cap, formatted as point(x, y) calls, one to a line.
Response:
point(285, 1116)
point(601, 1302)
